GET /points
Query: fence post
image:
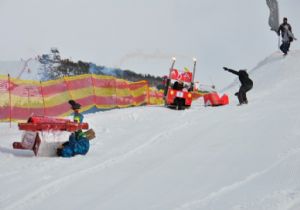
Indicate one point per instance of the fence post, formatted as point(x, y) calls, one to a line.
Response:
point(42, 92)
point(116, 96)
point(68, 89)
point(9, 93)
point(94, 92)
point(148, 93)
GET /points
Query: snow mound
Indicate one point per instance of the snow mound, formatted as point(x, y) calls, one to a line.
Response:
point(152, 158)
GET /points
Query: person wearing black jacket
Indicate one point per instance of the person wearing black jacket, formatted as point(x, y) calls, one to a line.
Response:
point(246, 82)
point(285, 29)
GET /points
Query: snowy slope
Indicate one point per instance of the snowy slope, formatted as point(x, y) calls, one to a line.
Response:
point(154, 158)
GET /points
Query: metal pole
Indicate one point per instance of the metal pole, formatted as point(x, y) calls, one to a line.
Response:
point(42, 92)
point(9, 93)
point(194, 69)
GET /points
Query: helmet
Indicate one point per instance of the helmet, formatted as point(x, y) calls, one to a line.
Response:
point(74, 104)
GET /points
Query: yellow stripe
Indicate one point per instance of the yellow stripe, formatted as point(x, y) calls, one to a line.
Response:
point(53, 82)
point(100, 106)
point(82, 93)
point(4, 99)
point(25, 82)
point(56, 99)
point(140, 91)
point(105, 92)
point(123, 92)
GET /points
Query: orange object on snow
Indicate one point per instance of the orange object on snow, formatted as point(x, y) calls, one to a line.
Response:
point(213, 99)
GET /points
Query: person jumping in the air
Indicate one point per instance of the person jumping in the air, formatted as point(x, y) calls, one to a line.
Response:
point(246, 82)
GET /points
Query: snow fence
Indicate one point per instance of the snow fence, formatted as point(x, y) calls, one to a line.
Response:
point(20, 99)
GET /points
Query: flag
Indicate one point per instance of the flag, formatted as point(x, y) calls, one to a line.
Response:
point(274, 14)
point(186, 69)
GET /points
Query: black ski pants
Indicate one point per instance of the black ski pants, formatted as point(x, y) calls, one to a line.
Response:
point(242, 93)
point(285, 47)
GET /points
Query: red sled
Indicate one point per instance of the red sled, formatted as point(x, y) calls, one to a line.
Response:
point(31, 139)
point(42, 123)
point(29, 142)
point(213, 99)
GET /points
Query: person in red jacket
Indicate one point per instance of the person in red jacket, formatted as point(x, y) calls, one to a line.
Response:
point(246, 82)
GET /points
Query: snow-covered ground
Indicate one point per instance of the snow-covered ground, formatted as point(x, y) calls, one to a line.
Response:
point(154, 158)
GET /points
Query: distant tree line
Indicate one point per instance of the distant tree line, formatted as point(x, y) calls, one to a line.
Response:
point(53, 67)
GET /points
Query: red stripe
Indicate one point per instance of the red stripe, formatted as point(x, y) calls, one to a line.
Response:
point(122, 85)
point(54, 89)
point(87, 101)
point(125, 101)
point(109, 100)
point(26, 90)
point(79, 83)
point(140, 99)
point(135, 86)
point(3, 85)
point(4, 112)
point(104, 83)
point(19, 113)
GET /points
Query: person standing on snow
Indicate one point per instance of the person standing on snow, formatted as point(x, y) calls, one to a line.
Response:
point(246, 82)
point(285, 29)
point(78, 142)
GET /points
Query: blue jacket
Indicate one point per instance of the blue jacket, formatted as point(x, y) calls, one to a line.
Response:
point(75, 146)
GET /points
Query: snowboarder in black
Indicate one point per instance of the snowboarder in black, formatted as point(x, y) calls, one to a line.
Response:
point(246, 82)
point(285, 29)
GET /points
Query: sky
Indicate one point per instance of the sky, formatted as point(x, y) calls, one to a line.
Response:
point(143, 35)
point(154, 158)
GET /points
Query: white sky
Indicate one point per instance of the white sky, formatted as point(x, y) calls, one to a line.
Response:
point(143, 35)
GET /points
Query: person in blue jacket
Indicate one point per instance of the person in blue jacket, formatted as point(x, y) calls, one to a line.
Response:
point(78, 144)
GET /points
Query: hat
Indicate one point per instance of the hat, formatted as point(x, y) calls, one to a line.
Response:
point(74, 104)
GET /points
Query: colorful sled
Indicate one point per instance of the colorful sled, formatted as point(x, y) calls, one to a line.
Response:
point(31, 139)
point(42, 123)
point(213, 99)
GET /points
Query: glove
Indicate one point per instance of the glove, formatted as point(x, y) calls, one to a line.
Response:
point(226, 69)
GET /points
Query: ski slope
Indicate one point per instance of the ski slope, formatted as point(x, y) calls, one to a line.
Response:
point(154, 158)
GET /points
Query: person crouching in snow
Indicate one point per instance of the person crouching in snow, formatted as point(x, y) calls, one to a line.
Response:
point(246, 82)
point(78, 144)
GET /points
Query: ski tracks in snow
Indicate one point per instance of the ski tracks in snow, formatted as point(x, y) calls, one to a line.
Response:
point(37, 195)
point(286, 199)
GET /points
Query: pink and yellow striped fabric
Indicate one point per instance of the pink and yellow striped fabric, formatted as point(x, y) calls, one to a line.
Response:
point(21, 99)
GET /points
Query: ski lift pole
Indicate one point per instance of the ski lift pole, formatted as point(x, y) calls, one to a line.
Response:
point(172, 66)
point(9, 93)
point(194, 69)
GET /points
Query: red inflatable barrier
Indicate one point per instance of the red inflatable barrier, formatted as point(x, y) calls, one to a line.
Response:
point(42, 123)
point(213, 99)
point(45, 119)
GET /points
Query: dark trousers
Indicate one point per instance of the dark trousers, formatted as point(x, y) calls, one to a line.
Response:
point(285, 47)
point(242, 93)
